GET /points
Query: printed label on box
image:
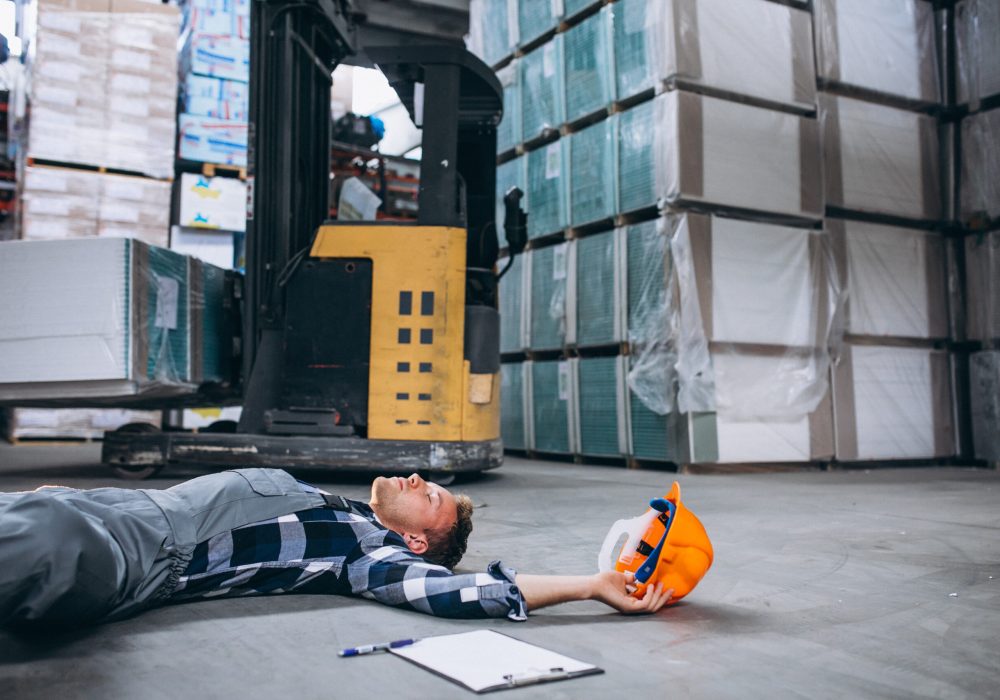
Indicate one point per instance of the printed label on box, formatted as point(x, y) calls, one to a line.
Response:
point(553, 161)
point(167, 293)
point(559, 262)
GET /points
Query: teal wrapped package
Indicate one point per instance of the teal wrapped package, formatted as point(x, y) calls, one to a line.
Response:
point(542, 96)
point(548, 301)
point(548, 189)
point(587, 65)
point(599, 317)
point(512, 406)
point(635, 70)
point(511, 305)
point(509, 129)
point(491, 36)
point(535, 17)
point(551, 404)
point(600, 406)
point(637, 160)
point(593, 173)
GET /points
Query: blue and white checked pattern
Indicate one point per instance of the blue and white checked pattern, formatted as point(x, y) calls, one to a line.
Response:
point(322, 550)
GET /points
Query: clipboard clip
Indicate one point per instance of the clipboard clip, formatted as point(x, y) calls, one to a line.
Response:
point(518, 680)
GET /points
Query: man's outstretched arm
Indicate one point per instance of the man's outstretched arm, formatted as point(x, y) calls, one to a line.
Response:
point(611, 587)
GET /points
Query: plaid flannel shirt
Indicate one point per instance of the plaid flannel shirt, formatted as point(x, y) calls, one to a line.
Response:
point(322, 550)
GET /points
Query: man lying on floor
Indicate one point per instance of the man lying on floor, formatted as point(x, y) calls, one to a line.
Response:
point(70, 556)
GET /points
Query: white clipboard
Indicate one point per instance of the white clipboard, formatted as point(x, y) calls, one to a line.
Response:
point(484, 660)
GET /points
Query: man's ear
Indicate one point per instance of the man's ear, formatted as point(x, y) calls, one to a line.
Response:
point(417, 542)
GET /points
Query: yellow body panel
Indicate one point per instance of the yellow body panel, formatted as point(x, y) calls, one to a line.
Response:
point(481, 421)
point(418, 378)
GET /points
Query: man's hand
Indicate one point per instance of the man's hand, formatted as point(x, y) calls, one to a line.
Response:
point(615, 588)
point(611, 587)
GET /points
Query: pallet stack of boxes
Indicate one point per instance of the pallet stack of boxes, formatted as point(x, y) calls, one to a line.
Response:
point(98, 160)
point(212, 129)
point(977, 26)
point(736, 222)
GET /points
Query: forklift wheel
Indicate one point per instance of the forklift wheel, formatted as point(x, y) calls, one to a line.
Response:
point(136, 471)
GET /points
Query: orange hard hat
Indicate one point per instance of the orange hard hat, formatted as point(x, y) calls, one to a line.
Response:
point(674, 548)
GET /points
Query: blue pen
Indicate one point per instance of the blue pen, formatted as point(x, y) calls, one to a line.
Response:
point(370, 648)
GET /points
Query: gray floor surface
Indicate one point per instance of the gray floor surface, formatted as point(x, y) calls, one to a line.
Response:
point(876, 583)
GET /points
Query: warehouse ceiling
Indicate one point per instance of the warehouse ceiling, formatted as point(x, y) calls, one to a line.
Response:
point(388, 22)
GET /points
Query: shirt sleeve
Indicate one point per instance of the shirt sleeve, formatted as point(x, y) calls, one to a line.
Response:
point(390, 573)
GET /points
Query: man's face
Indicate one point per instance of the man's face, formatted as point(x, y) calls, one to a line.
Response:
point(411, 506)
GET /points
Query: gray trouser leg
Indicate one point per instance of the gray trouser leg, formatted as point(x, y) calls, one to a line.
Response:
point(57, 564)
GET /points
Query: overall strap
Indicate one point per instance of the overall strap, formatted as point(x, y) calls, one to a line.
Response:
point(336, 502)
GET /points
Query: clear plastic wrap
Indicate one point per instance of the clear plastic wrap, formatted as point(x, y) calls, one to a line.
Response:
point(548, 302)
point(509, 129)
point(684, 147)
point(599, 390)
point(652, 321)
point(984, 397)
point(492, 29)
point(535, 17)
point(880, 159)
point(65, 203)
point(980, 183)
point(982, 292)
point(108, 322)
point(893, 403)
point(977, 26)
point(598, 280)
point(753, 289)
point(592, 173)
point(210, 140)
point(551, 407)
point(543, 98)
point(512, 428)
point(886, 46)
point(548, 189)
point(104, 87)
point(894, 279)
point(752, 48)
point(588, 66)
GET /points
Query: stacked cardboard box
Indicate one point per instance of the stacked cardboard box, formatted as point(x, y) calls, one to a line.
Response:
point(492, 29)
point(108, 321)
point(215, 70)
point(985, 400)
point(588, 66)
point(66, 203)
point(982, 270)
point(212, 202)
point(509, 129)
point(104, 85)
point(980, 171)
point(977, 25)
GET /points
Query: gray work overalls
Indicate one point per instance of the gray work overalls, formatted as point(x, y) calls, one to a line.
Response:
point(69, 556)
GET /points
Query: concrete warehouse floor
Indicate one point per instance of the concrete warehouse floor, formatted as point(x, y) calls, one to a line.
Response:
point(881, 583)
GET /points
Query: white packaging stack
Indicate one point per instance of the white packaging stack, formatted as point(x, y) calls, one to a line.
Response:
point(883, 46)
point(212, 140)
point(980, 176)
point(879, 159)
point(104, 85)
point(106, 321)
point(752, 48)
point(66, 203)
point(895, 280)
point(893, 403)
point(747, 340)
point(75, 423)
point(977, 26)
point(213, 202)
point(708, 150)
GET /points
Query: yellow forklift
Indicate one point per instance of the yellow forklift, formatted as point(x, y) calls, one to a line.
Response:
point(365, 345)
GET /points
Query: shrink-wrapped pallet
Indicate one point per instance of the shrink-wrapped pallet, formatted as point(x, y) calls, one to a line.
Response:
point(536, 17)
point(598, 279)
point(688, 148)
point(751, 48)
point(879, 159)
point(883, 46)
point(980, 177)
point(512, 409)
point(550, 322)
point(893, 403)
point(977, 26)
point(509, 129)
point(894, 279)
point(512, 302)
point(548, 179)
point(543, 97)
point(552, 422)
point(492, 29)
point(601, 411)
point(982, 292)
point(588, 65)
point(984, 397)
point(592, 173)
